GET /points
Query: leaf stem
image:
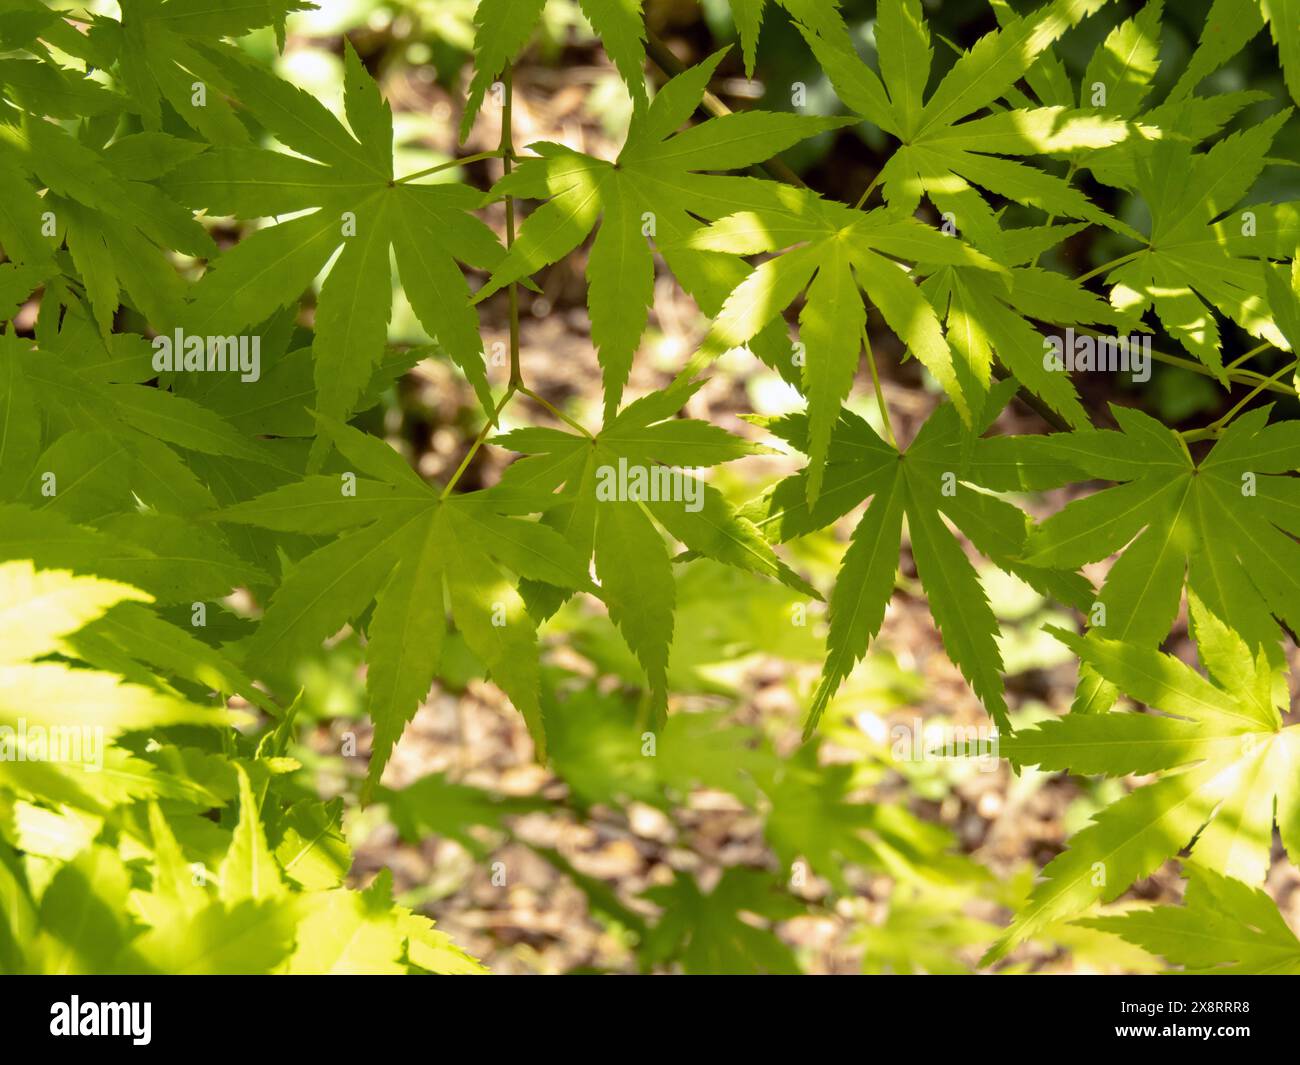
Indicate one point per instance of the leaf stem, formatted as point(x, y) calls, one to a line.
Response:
point(1216, 427)
point(1248, 356)
point(880, 392)
point(448, 165)
point(1245, 377)
point(869, 190)
point(572, 423)
point(1109, 266)
point(478, 442)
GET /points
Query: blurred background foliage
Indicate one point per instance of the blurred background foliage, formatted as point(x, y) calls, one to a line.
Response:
point(729, 847)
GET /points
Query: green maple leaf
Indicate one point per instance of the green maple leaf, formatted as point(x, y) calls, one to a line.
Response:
point(706, 932)
point(945, 158)
point(42, 86)
point(986, 316)
point(1115, 84)
point(1224, 927)
point(936, 477)
point(360, 208)
point(838, 253)
point(503, 27)
point(822, 16)
point(1220, 749)
point(434, 805)
point(1229, 26)
point(160, 49)
point(811, 817)
point(573, 478)
point(409, 551)
point(653, 187)
point(1219, 526)
point(44, 612)
point(117, 227)
point(1191, 263)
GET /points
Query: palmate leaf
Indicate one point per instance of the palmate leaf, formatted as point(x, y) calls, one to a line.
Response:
point(1219, 525)
point(408, 551)
point(987, 316)
point(654, 188)
point(812, 817)
point(117, 227)
point(158, 46)
point(821, 16)
point(1196, 259)
point(836, 254)
point(348, 179)
point(1224, 927)
point(706, 932)
point(941, 156)
point(934, 478)
point(1229, 26)
point(1115, 85)
point(588, 487)
point(1222, 756)
point(434, 805)
point(58, 718)
point(503, 27)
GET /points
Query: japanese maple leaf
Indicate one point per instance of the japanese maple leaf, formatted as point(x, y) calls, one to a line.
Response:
point(408, 550)
point(568, 475)
point(836, 254)
point(933, 479)
point(653, 189)
point(1223, 927)
point(943, 157)
point(1222, 526)
point(358, 207)
point(116, 221)
point(1116, 82)
point(1222, 757)
point(1190, 264)
point(823, 16)
point(503, 27)
point(159, 46)
point(987, 315)
point(707, 932)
